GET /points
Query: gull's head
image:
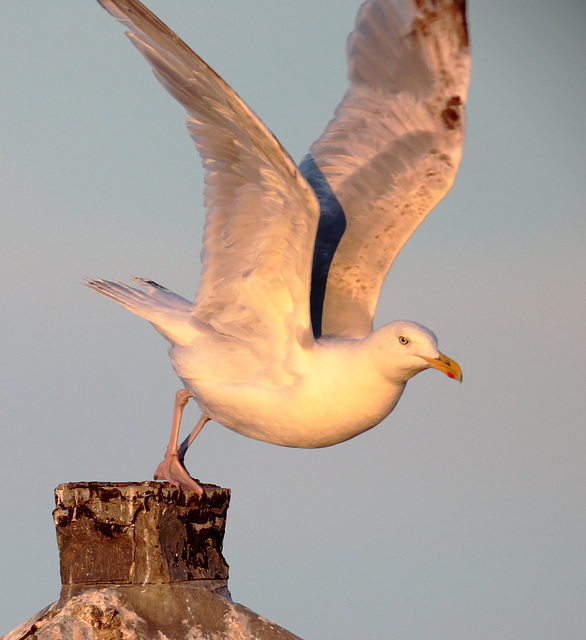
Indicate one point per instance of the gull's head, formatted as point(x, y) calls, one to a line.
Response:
point(403, 348)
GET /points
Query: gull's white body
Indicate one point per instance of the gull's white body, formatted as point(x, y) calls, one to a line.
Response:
point(326, 394)
point(252, 351)
point(317, 408)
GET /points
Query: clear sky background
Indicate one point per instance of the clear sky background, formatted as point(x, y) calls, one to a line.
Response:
point(461, 517)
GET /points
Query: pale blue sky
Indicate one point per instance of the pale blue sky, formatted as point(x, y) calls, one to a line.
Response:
point(462, 516)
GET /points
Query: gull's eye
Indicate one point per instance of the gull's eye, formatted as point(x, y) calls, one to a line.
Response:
point(404, 340)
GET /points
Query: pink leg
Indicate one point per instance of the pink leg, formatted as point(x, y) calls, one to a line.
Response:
point(172, 468)
point(182, 450)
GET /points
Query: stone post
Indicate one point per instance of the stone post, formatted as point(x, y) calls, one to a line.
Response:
point(143, 561)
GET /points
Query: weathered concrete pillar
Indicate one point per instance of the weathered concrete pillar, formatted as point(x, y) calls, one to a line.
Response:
point(143, 561)
point(145, 533)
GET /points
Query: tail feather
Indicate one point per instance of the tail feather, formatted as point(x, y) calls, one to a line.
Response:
point(168, 312)
point(164, 295)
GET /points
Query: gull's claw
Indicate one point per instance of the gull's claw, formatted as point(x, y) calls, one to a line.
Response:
point(173, 470)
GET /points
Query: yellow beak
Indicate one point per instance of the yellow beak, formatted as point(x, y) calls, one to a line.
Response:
point(445, 365)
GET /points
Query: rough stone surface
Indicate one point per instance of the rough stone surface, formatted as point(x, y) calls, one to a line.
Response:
point(155, 612)
point(137, 533)
point(143, 561)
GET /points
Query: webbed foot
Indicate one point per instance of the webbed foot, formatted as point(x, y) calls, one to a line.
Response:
point(173, 470)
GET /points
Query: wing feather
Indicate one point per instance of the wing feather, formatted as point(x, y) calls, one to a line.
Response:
point(262, 214)
point(392, 150)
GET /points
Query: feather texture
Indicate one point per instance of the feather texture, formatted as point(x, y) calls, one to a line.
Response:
point(392, 150)
point(262, 214)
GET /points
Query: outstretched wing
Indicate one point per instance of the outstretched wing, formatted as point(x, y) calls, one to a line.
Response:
point(390, 153)
point(262, 215)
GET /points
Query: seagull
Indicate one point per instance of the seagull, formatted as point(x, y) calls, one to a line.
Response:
point(279, 343)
